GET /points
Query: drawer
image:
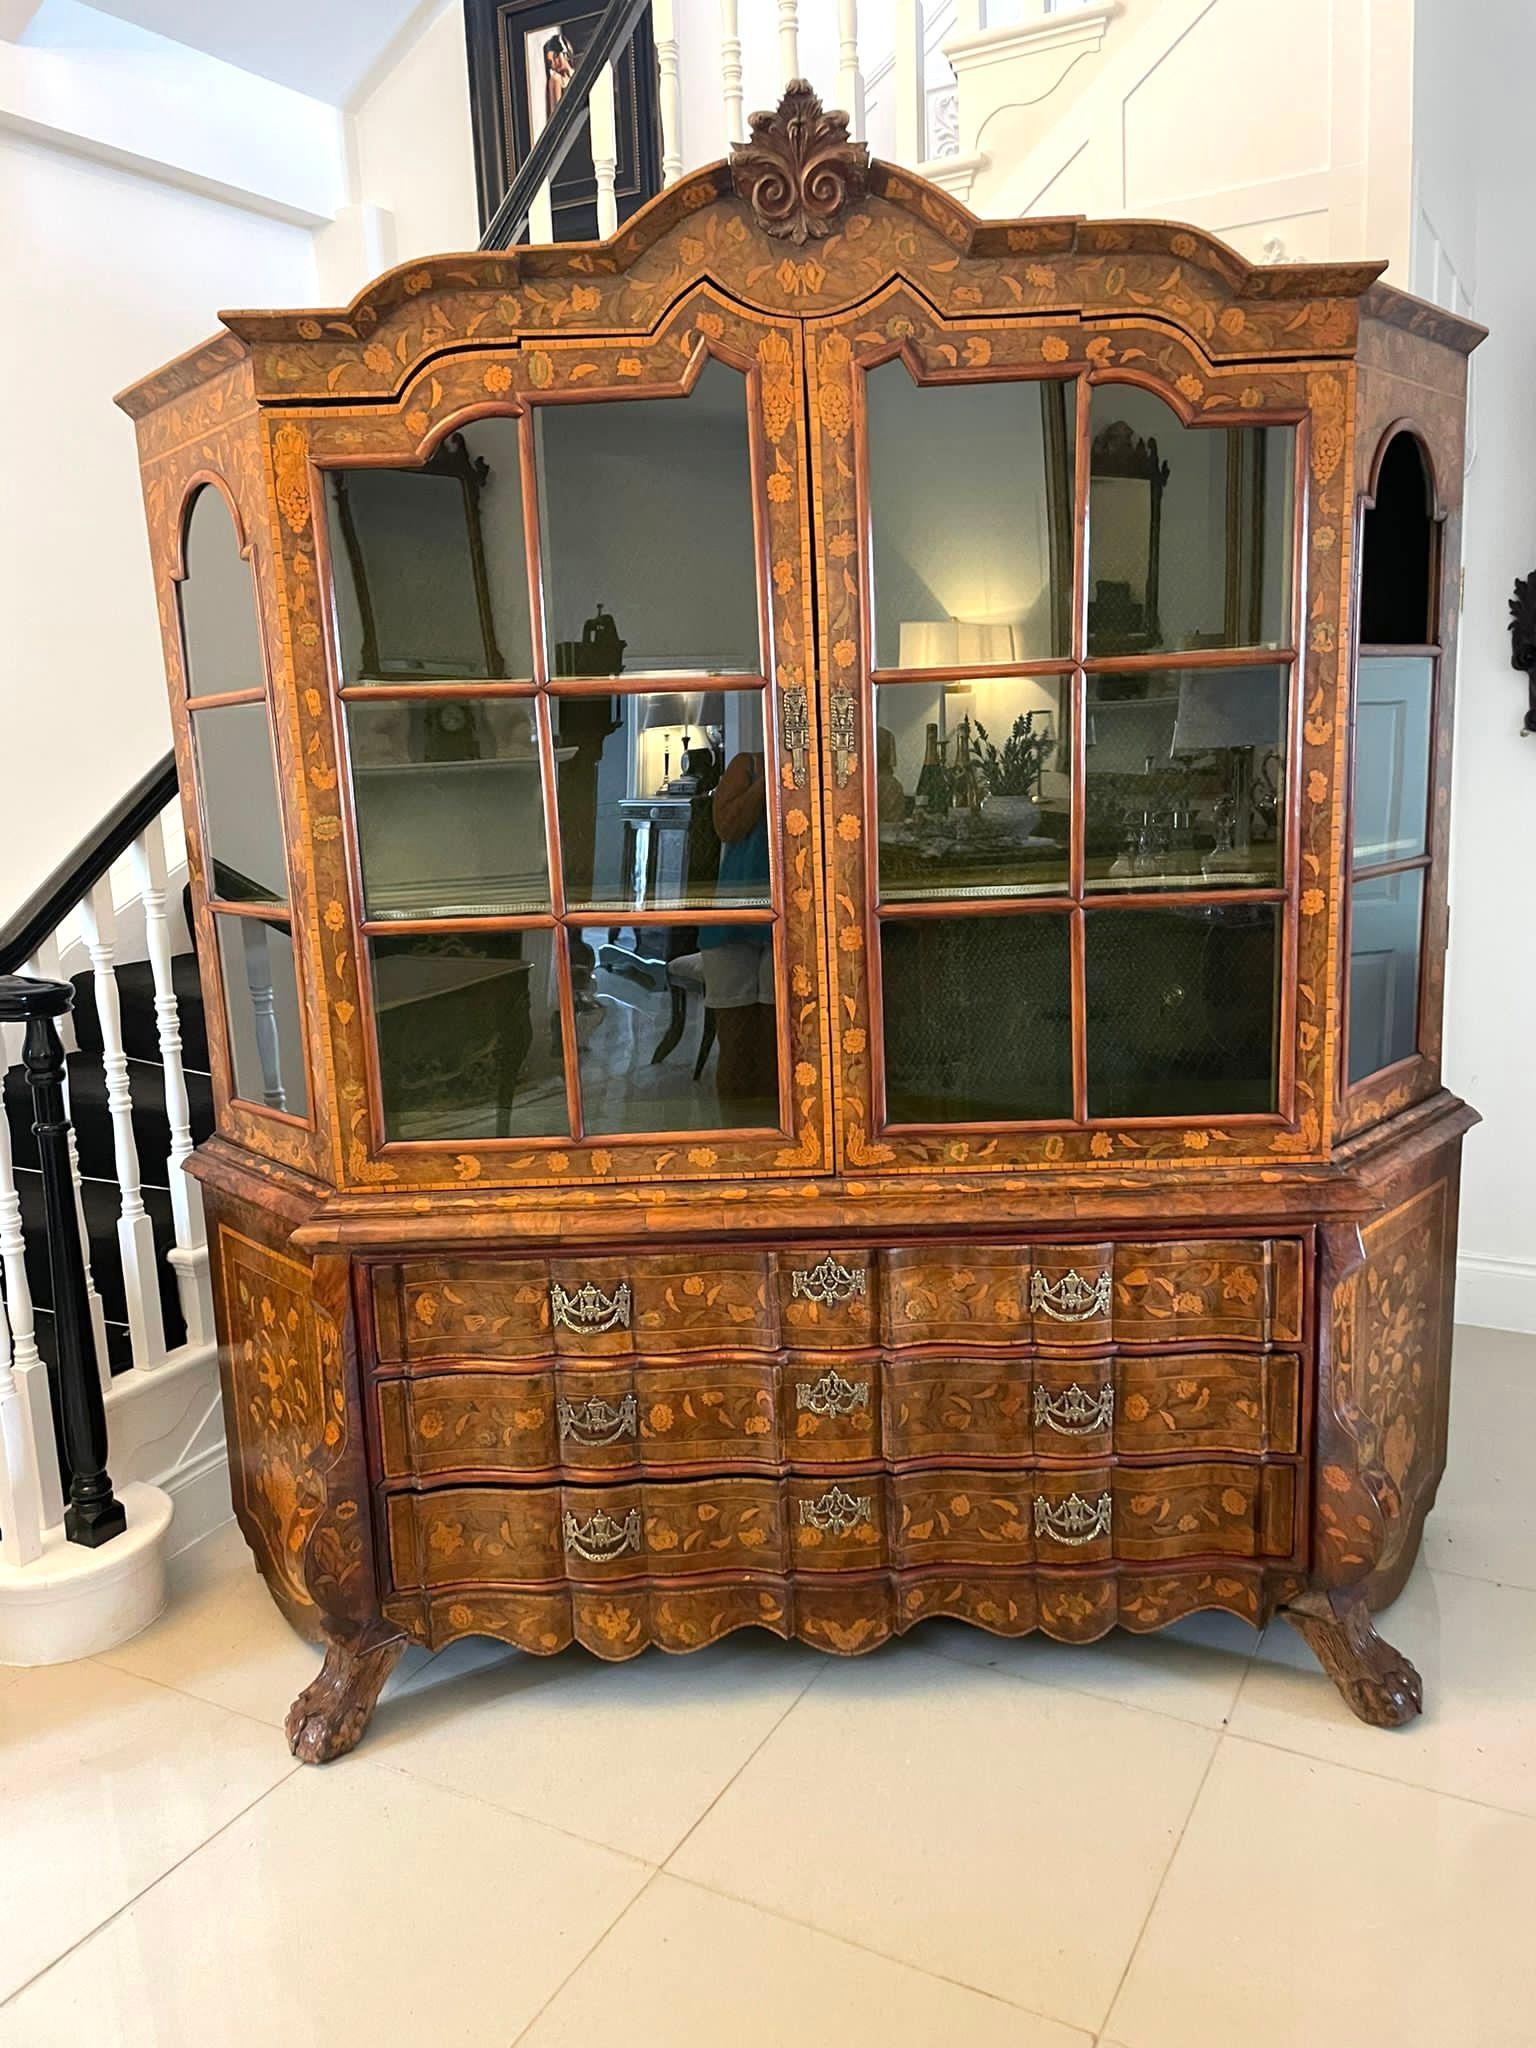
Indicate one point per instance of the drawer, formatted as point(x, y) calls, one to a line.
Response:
point(428, 1310)
point(829, 1409)
point(442, 1423)
point(956, 1294)
point(1196, 1510)
point(707, 1298)
point(933, 1407)
point(827, 1298)
point(1204, 1291)
point(1207, 1401)
point(836, 1525)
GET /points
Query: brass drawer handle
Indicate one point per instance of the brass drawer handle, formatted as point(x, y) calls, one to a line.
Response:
point(589, 1311)
point(1074, 1521)
point(836, 1512)
point(600, 1539)
point(832, 1395)
point(1071, 1299)
point(596, 1422)
point(828, 1282)
point(1075, 1412)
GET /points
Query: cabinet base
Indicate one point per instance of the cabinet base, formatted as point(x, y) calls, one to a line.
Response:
point(331, 1716)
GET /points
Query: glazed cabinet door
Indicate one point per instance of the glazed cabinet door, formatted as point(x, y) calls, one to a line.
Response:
point(1059, 696)
point(573, 877)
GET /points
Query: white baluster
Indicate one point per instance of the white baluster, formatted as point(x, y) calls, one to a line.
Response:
point(789, 39)
point(46, 965)
point(911, 113)
point(189, 1256)
point(258, 979)
point(850, 79)
point(730, 74)
point(664, 29)
point(541, 218)
point(604, 136)
point(31, 1498)
point(135, 1232)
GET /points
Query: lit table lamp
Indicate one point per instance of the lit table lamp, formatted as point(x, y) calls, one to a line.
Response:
point(955, 643)
point(1236, 710)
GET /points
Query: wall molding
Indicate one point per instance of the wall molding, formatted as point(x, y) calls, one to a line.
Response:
point(1496, 1294)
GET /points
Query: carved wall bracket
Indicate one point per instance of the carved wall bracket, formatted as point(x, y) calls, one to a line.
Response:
point(798, 171)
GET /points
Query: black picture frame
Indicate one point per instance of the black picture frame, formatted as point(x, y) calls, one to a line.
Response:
point(499, 35)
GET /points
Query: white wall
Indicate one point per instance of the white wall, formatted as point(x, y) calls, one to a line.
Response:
point(107, 276)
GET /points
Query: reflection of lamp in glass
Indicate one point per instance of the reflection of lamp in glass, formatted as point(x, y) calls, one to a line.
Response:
point(678, 711)
point(956, 643)
point(1229, 711)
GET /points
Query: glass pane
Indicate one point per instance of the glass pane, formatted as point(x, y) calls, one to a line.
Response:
point(220, 635)
point(978, 1019)
point(1392, 710)
point(676, 1026)
point(450, 816)
point(1185, 780)
point(970, 497)
point(973, 787)
point(429, 564)
point(1182, 1011)
point(1385, 916)
point(663, 800)
point(242, 824)
point(469, 1035)
point(650, 557)
point(1189, 529)
point(261, 1007)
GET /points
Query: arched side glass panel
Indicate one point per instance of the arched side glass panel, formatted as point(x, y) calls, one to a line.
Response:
point(245, 857)
point(1393, 739)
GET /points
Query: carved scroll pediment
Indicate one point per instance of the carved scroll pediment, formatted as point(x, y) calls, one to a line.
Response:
point(798, 171)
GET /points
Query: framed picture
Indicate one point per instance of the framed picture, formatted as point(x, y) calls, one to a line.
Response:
point(523, 55)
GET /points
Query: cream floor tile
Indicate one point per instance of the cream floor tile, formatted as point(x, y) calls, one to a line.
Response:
point(685, 1967)
point(1475, 1648)
point(352, 1907)
point(1007, 1836)
point(1309, 1904)
point(1192, 1670)
point(105, 1782)
point(1484, 1522)
point(625, 1754)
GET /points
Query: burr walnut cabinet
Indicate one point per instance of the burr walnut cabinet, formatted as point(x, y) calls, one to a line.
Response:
point(817, 840)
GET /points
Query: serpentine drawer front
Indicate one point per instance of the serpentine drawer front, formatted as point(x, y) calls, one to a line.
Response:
point(1090, 1514)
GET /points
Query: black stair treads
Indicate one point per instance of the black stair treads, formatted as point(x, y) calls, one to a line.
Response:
point(102, 1201)
point(136, 1001)
point(93, 1120)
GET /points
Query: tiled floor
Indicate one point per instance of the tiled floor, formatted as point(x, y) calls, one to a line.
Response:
point(1181, 1841)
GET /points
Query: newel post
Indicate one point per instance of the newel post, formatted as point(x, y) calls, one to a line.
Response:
point(92, 1514)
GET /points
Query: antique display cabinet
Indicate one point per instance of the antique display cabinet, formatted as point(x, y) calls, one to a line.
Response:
point(818, 845)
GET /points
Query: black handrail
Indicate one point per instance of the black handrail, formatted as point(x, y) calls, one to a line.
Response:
point(509, 223)
point(52, 901)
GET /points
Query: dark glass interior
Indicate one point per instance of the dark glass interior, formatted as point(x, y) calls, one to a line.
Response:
point(220, 635)
point(970, 493)
point(1394, 697)
point(973, 787)
point(469, 1035)
point(1386, 918)
point(675, 1025)
point(663, 800)
point(450, 818)
point(648, 537)
point(1190, 530)
point(429, 565)
point(1185, 779)
point(261, 1006)
point(1182, 1011)
point(978, 1019)
point(242, 824)
point(1397, 552)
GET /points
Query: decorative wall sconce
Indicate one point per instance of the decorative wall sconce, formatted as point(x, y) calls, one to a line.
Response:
point(1522, 633)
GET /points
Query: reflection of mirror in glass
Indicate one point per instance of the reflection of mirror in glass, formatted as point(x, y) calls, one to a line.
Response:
point(973, 786)
point(1189, 529)
point(1185, 779)
point(469, 1035)
point(649, 799)
point(218, 604)
point(428, 564)
point(978, 1019)
point(970, 496)
point(676, 1028)
point(261, 1007)
point(450, 819)
point(646, 512)
point(242, 825)
point(1393, 696)
point(1182, 1011)
point(1386, 912)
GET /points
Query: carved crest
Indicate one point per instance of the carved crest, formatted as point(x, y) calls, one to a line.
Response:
point(798, 171)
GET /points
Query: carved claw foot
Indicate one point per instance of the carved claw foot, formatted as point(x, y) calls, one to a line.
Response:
point(331, 1716)
point(1378, 1683)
